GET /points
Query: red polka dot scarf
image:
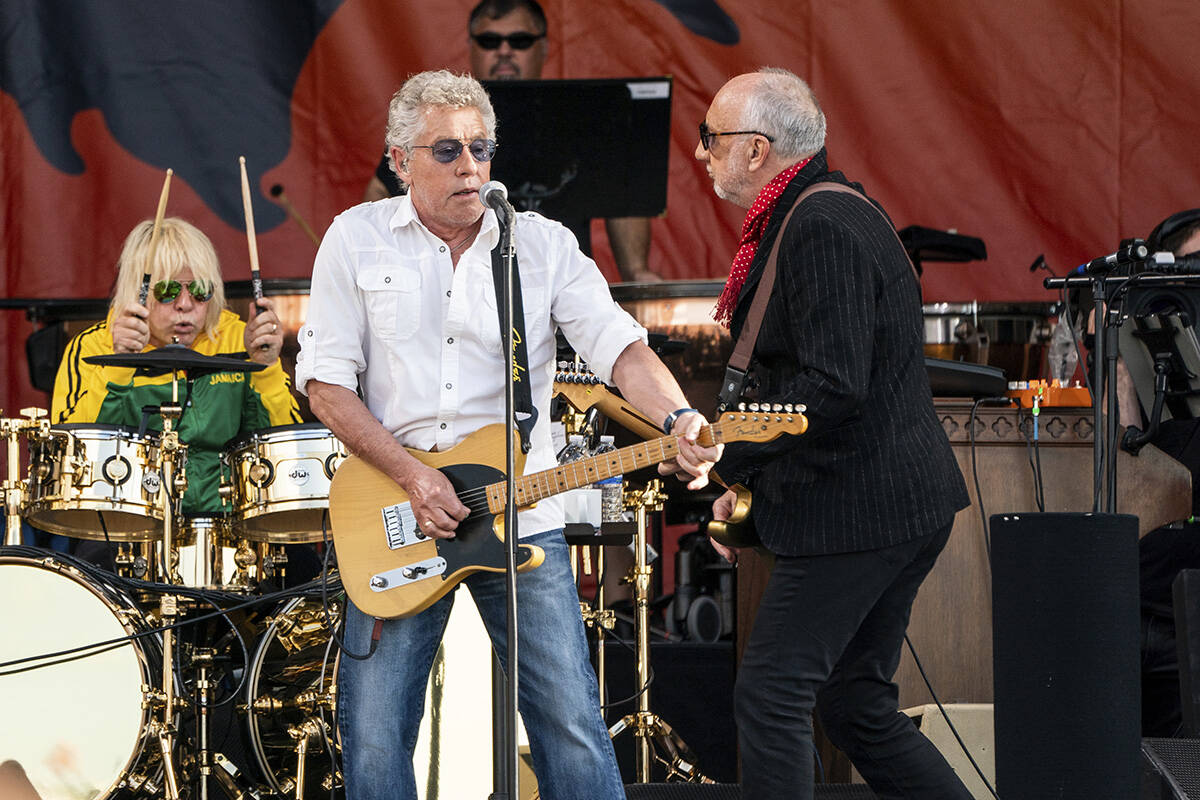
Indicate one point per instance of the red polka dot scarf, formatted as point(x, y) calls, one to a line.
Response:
point(752, 231)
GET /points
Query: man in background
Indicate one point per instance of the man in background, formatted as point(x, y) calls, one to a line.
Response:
point(1165, 552)
point(508, 42)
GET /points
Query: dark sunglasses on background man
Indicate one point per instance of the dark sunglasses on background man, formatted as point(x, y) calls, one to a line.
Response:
point(517, 41)
point(448, 150)
point(167, 291)
point(706, 136)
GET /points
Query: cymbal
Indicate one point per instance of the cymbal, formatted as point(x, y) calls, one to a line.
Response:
point(176, 357)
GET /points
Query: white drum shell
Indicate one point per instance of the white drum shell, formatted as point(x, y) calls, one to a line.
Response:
point(281, 480)
point(76, 728)
point(82, 473)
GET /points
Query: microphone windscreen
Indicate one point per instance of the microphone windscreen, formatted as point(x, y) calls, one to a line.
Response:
point(492, 186)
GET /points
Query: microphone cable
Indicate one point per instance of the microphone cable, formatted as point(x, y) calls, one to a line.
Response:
point(987, 538)
point(966, 751)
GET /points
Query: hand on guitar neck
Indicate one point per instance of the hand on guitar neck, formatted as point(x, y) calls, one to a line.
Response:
point(584, 391)
point(731, 527)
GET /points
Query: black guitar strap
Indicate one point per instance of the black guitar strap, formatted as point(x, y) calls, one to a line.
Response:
point(523, 410)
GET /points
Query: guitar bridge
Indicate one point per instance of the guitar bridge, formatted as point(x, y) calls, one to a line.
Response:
point(400, 526)
point(409, 573)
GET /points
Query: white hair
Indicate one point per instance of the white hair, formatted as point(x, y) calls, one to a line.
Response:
point(783, 106)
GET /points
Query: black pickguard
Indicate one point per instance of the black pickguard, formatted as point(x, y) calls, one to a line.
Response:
point(475, 543)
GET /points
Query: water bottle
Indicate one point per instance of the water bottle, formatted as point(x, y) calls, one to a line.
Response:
point(580, 505)
point(574, 450)
point(612, 505)
point(1063, 356)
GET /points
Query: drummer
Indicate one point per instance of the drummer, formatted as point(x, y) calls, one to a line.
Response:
point(186, 306)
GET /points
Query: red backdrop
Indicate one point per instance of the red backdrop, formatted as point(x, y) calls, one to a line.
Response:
point(1054, 128)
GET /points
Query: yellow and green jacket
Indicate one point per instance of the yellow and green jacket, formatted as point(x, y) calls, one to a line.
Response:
point(222, 407)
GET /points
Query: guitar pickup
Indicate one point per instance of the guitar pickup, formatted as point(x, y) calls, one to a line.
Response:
point(409, 573)
point(400, 526)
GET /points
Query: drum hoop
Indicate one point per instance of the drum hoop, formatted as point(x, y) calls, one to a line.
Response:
point(130, 431)
point(254, 675)
point(108, 594)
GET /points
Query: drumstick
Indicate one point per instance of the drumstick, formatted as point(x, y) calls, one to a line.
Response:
point(158, 218)
point(281, 198)
point(251, 242)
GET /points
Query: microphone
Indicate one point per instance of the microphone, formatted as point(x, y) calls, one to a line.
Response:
point(1130, 252)
point(494, 195)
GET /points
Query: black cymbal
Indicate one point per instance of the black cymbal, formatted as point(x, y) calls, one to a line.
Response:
point(176, 357)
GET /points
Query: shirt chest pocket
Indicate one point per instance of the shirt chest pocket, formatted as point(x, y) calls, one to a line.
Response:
point(487, 322)
point(392, 296)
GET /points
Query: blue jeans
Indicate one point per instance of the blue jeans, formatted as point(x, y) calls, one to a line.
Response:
point(381, 700)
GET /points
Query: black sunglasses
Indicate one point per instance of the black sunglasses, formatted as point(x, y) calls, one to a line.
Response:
point(517, 41)
point(447, 150)
point(706, 136)
point(167, 291)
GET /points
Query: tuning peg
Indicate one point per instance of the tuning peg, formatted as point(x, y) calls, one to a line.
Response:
point(777, 408)
point(753, 408)
point(741, 406)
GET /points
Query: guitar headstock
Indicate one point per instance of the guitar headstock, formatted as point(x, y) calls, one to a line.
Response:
point(581, 388)
point(756, 422)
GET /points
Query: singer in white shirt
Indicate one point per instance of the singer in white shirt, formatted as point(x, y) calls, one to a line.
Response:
point(403, 308)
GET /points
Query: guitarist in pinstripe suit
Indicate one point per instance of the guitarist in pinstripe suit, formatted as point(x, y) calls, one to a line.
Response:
point(857, 510)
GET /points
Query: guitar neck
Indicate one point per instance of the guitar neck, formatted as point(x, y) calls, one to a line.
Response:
point(586, 471)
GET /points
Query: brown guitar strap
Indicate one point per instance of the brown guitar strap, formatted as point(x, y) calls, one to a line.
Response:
point(743, 351)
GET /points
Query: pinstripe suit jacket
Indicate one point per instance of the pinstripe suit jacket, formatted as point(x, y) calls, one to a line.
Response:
point(842, 334)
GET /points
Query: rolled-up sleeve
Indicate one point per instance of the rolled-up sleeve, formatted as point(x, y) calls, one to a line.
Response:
point(593, 323)
point(332, 337)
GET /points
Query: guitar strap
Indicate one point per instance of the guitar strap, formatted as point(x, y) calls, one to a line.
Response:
point(743, 351)
point(523, 410)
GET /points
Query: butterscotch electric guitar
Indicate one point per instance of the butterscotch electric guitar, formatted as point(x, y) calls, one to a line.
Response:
point(390, 569)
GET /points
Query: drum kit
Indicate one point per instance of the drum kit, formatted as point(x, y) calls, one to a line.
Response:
point(184, 667)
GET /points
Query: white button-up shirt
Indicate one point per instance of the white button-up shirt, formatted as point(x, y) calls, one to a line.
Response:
point(391, 313)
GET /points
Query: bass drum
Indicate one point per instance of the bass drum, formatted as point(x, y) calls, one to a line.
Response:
point(291, 691)
point(76, 727)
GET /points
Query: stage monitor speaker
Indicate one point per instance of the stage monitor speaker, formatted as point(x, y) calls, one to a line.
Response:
point(1170, 769)
point(1065, 637)
point(1186, 603)
point(731, 791)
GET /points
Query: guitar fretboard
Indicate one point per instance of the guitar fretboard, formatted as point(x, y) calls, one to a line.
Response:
point(565, 477)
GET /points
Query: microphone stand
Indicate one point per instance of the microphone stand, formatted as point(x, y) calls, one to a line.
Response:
point(1104, 403)
point(1104, 357)
point(505, 758)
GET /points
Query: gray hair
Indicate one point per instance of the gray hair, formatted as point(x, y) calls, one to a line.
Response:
point(434, 88)
point(783, 106)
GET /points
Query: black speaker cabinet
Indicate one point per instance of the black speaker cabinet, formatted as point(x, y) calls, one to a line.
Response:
point(1065, 636)
point(1186, 603)
point(1170, 769)
point(730, 791)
